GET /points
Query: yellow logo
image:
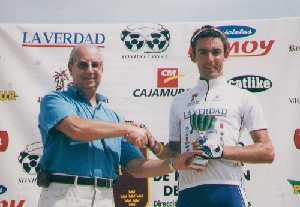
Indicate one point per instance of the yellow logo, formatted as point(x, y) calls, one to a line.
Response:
point(8, 95)
point(132, 198)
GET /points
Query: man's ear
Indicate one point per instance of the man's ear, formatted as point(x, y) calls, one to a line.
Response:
point(193, 57)
point(226, 54)
point(191, 54)
point(70, 69)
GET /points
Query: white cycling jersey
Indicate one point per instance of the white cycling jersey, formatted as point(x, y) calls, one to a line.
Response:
point(235, 110)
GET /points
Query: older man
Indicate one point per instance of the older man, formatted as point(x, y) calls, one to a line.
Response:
point(85, 141)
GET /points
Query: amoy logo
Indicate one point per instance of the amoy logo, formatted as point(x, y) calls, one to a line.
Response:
point(8, 95)
point(247, 47)
point(167, 77)
point(297, 138)
point(251, 83)
point(296, 185)
point(61, 39)
point(167, 85)
point(12, 203)
point(3, 141)
point(3, 189)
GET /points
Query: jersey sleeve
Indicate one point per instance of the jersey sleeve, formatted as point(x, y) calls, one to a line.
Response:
point(253, 116)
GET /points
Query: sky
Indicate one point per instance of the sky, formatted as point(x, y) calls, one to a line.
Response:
point(135, 11)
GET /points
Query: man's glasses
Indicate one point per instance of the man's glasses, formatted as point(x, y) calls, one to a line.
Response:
point(83, 65)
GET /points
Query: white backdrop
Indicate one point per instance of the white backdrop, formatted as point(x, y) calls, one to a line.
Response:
point(33, 60)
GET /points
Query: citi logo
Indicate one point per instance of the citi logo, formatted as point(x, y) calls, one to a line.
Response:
point(3, 189)
point(251, 83)
point(237, 31)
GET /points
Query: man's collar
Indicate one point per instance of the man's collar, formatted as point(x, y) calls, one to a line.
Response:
point(212, 82)
point(74, 91)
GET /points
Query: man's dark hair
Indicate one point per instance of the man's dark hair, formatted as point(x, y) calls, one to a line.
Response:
point(206, 32)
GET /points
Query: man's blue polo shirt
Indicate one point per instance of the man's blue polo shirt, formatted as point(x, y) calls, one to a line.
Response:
point(63, 154)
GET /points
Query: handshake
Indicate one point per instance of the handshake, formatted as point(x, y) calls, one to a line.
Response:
point(141, 137)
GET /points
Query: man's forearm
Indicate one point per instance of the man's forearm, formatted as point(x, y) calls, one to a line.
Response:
point(255, 153)
point(172, 149)
point(86, 130)
point(149, 168)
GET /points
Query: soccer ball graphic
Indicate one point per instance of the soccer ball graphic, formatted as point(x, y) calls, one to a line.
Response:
point(155, 37)
point(158, 42)
point(30, 157)
point(133, 41)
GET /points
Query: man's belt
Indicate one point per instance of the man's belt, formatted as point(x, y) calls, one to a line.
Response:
point(69, 179)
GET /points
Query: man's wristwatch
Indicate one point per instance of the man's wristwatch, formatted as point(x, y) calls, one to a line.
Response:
point(171, 162)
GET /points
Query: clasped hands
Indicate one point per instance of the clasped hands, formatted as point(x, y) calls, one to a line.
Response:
point(138, 135)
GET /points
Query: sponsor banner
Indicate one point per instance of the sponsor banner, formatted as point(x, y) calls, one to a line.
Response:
point(145, 67)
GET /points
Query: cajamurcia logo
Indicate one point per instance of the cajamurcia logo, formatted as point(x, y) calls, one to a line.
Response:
point(148, 40)
point(251, 83)
point(245, 48)
point(167, 77)
point(167, 85)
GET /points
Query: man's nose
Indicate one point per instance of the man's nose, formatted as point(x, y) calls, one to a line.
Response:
point(90, 67)
point(210, 57)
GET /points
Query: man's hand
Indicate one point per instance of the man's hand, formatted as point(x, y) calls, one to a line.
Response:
point(137, 136)
point(211, 147)
point(184, 161)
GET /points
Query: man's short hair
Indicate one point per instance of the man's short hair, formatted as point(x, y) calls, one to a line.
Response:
point(73, 53)
point(206, 32)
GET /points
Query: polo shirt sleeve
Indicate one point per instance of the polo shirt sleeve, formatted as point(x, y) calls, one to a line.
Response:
point(53, 109)
point(129, 152)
